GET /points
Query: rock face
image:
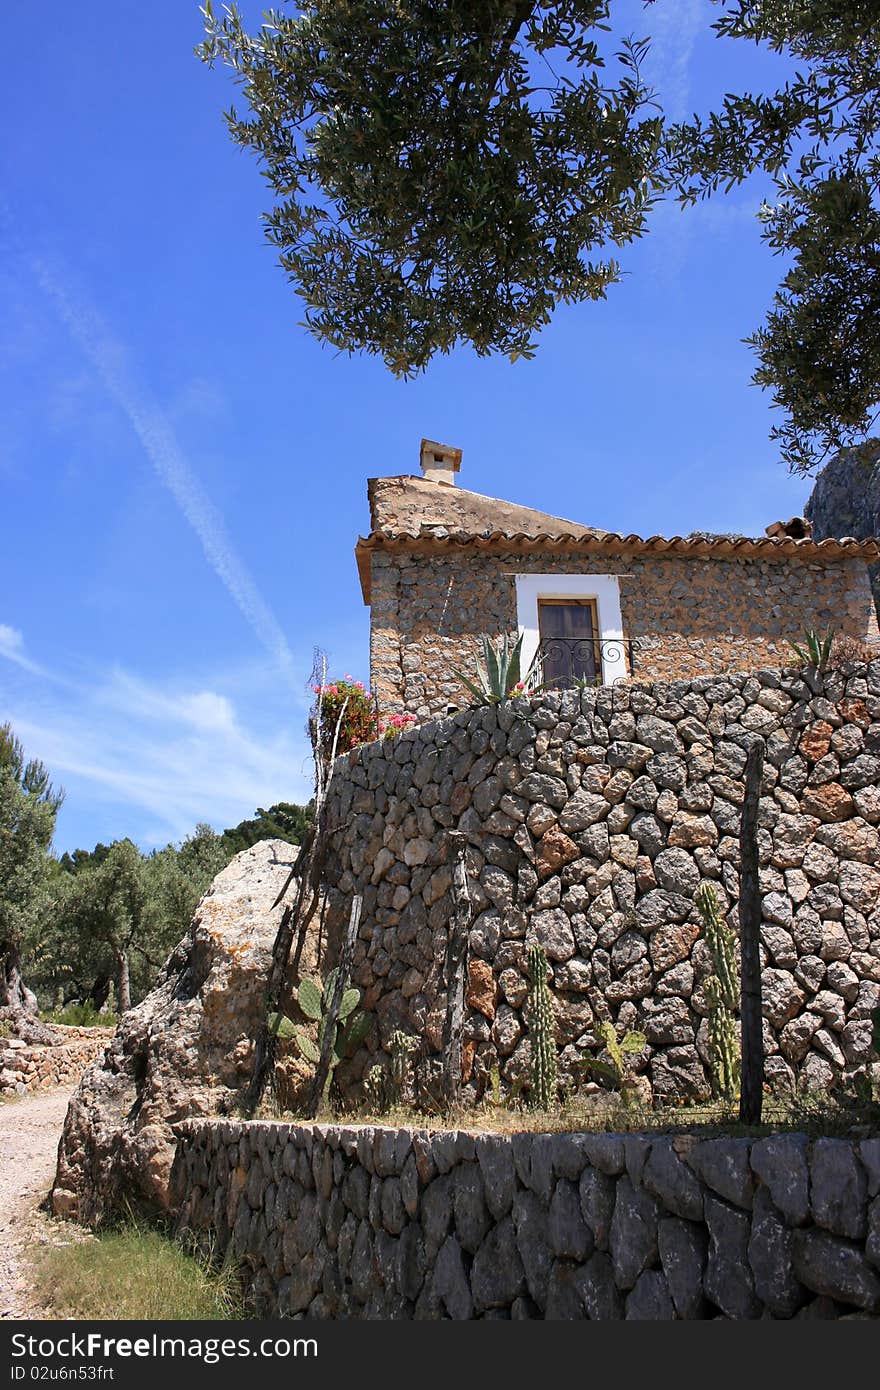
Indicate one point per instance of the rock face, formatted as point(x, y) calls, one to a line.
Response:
point(846, 499)
point(185, 1051)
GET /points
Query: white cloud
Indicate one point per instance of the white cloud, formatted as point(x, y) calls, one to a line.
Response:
point(205, 710)
point(674, 229)
point(11, 642)
point(675, 28)
point(180, 759)
point(12, 648)
point(151, 759)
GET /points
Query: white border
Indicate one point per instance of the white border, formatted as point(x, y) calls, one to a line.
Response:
point(602, 588)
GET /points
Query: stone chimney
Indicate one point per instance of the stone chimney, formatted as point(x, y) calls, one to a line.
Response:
point(439, 462)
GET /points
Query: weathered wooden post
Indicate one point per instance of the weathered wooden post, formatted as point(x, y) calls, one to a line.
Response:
point(343, 975)
point(455, 968)
point(296, 917)
point(752, 1082)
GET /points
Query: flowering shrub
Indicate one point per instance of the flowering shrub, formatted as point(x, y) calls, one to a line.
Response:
point(359, 721)
point(394, 723)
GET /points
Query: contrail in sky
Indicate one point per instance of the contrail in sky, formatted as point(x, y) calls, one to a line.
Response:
point(153, 429)
point(675, 27)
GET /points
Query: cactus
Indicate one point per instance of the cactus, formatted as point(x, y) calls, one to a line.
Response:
point(403, 1045)
point(494, 1093)
point(376, 1098)
point(616, 1071)
point(722, 994)
point(385, 1086)
point(542, 1031)
point(314, 999)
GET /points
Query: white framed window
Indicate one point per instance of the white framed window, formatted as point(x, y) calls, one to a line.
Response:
point(538, 595)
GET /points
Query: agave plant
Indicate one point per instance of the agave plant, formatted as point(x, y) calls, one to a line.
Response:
point(816, 651)
point(500, 677)
point(314, 998)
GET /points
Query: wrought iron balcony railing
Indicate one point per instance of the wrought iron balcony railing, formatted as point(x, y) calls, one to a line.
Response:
point(570, 661)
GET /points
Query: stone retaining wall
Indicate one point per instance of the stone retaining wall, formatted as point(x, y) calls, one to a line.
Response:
point(591, 817)
point(37, 1066)
point(357, 1222)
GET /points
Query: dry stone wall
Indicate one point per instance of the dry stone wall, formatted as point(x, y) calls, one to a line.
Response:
point(591, 817)
point(357, 1222)
point(36, 1066)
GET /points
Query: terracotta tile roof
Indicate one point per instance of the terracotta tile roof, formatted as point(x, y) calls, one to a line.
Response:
point(417, 515)
point(433, 538)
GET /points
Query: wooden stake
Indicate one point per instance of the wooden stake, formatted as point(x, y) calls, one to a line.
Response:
point(296, 917)
point(455, 969)
point(752, 1086)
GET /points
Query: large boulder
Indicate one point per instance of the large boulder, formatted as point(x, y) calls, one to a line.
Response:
point(185, 1051)
point(845, 500)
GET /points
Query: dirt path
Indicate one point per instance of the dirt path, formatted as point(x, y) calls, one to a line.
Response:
point(29, 1132)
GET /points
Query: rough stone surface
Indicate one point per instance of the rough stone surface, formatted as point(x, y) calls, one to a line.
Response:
point(672, 1181)
point(781, 1162)
point(633, 1236)
point(771, 1246)
point(187, 1050)
point(723, 1164)
point(36, 1059)
point(544, 1235)
point(838, 1188)
point(728, 1282)
point(682, 1246)
point(591, 821)
point(836, 1268)
point(650, 1300)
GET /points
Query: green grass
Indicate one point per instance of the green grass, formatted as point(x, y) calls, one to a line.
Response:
point(80, 1016)
point(816, 1113)
point(134, 1272)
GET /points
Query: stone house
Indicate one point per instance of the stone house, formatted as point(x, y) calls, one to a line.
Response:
point(443, 567)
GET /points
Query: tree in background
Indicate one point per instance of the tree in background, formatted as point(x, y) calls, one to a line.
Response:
point(283, 821)
point(28, 807)
point(445, 169)
point(105, 918)
point(116, 913)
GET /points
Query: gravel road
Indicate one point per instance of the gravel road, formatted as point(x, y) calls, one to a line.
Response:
point(29, 1132)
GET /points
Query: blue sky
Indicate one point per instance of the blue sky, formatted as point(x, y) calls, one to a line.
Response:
point(183, 469)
